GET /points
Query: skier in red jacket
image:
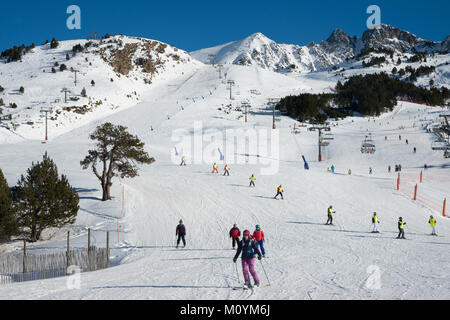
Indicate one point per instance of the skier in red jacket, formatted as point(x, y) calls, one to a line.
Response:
point(235, 233)
point(258, 236)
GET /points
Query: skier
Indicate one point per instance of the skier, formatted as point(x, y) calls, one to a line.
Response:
point(330, 215)
point(252, 180)
point(183, 161)
point(226, 172)
point(235, 233)
point(370, 170)
point(385, 138)
point(349, 172)
point(332, 168)
point(389, 169)
point(415, 150)
point(248, 248)
point(406, 141)
point(215, 168)
point(181, 233)
point(279, 192)
point(432, 223)
point(400, 168)
point(375, 223)
point(401, 230)
point(400, 138)
point(258, 236)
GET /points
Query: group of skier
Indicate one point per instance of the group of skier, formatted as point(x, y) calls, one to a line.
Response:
point(375, 222)
point(248, 247)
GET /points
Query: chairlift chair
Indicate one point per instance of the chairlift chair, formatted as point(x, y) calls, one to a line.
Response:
point(368, 146)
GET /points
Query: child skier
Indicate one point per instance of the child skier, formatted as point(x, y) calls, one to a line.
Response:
point(375, 223)
point(330, 215)
point(279, 192)
point(401, 230)
point(215, 168)
point(252, 180)
point(248, 248)
point(332, 168)
point(181, 233)
point(226, 170)
point(432, 223)
point(258, 236)
point(183, 161)
point(235, 233)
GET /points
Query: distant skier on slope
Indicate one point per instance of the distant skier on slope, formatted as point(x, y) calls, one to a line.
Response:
point(181, 233)
point(258, 236)
point(432, 223)
point(252, 180)
point(332, 168)
point(183, 161)
point(330, 215)
point(375, 223)
point(401, 228)
point(370, 170)
point(279, 192)
point(248, 248)
point(226, 170)
point(235, 233)
point(215, 170)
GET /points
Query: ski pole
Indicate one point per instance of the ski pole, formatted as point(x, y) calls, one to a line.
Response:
point(237, 272)
point(265, 272)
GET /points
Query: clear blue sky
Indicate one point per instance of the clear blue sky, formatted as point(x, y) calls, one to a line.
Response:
point(195, 24)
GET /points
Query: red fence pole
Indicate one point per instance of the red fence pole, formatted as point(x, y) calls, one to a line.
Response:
point(398, 181)
point(415, 192)
point(421, 177)
point(443, 209)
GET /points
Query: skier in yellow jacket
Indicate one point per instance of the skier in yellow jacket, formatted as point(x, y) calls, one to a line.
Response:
point(375, 223)
point(252, 180)
point(432, 223)
point(279, 192)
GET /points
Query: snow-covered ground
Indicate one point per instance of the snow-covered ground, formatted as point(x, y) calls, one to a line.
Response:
point(305, 258)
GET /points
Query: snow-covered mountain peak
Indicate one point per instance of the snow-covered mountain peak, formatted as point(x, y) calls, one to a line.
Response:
point(259, 50)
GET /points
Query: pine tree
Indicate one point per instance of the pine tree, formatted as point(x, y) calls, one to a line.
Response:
point(117, 151)
point(45, 200)
point(83, 93)
point(54, 44)
point(8, 220)
point(93, 83)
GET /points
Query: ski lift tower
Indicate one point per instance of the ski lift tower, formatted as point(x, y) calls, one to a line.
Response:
point(75, 72)
point(46, 110)
point(66, 91)
point(446, 126)
point(246, 105)
point(273, 102)
point(220, 68)
point(320, 128)
point(231, 84)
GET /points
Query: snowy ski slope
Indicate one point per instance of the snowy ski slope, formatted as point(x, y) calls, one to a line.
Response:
point(305, 258)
